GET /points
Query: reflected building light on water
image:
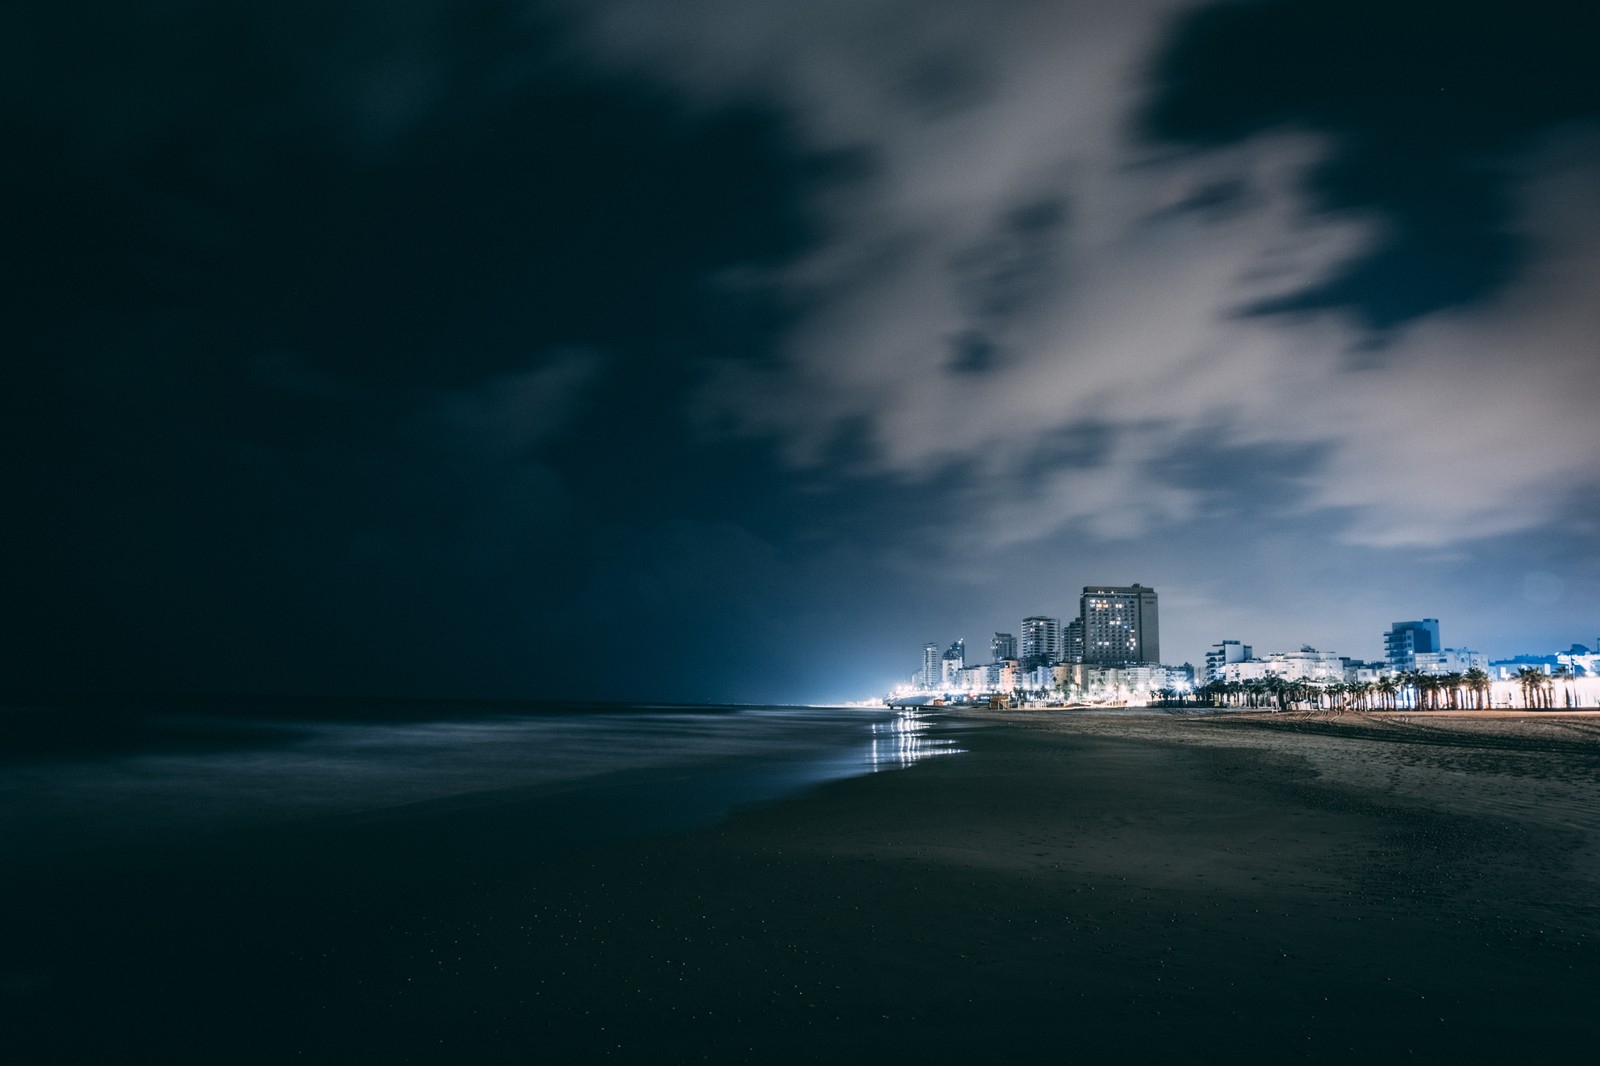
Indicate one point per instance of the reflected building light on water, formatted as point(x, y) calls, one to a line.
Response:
point(899, 743)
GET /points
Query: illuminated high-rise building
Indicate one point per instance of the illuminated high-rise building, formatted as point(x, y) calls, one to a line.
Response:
point(930, 675)
point(1120, 624)
point(1003, 647)
point(1072, 642)
point(1041, 641)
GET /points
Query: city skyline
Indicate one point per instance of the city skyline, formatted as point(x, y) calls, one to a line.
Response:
point(720, 351)
point(1406, 646)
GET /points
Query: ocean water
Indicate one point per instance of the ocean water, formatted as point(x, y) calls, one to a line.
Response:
point(81, 779)
point(82, 783)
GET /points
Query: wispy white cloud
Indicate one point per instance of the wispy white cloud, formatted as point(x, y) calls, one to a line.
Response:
point(1483, 419)
point(1466, 424)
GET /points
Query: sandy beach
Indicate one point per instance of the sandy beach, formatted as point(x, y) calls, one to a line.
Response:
point(1096, 887)
point(1084, 887)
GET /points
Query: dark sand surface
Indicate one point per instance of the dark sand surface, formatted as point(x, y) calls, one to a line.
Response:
point(1076, 887)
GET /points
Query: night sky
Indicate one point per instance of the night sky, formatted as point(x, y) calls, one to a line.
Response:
point(731, 349)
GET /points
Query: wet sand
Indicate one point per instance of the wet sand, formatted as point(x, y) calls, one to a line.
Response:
point(1094, 888)
point(1087, 888)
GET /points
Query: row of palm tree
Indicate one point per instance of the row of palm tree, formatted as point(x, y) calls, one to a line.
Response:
point(1539, 688)
point(1410, 689)
point(1407, 690)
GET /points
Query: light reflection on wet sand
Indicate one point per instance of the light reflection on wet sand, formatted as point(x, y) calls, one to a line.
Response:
point(904, 740)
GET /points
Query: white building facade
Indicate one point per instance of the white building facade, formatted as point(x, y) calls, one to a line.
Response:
point(1307, 664)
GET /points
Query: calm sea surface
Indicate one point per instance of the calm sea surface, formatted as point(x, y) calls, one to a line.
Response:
point(79, 779)
point(138, 836)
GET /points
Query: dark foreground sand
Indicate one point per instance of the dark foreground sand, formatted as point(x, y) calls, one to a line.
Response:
point(1073, 888)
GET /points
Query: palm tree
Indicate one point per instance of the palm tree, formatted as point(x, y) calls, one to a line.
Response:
point(1388, 688)
point(1563, 674)
point(1478, 684)
point(1431, 687)
point(1451, 684)
point(1302, 691)
point(1251, 692)
point(1279, 689)
point(1337, 692)
point(1531, 680)
point(1410, 690)
point(1364, 692)
point(1285, 693)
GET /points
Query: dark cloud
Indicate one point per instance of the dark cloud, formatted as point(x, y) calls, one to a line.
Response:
point(1242, 480)
point(1016, 263)
point(1425, 101)
point(1071, 447)
point(1215, 200)
point(941, 83)
point(339, 336)
point(973, 353)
